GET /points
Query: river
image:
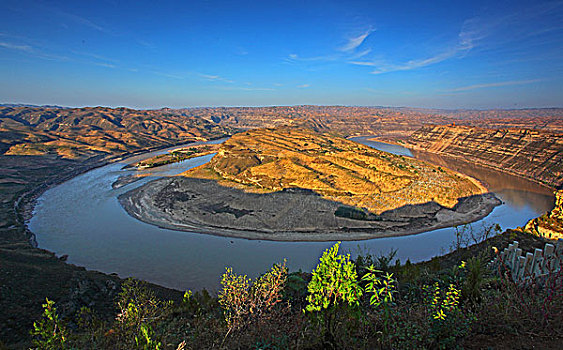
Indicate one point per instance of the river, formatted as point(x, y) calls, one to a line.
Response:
point(82, 218)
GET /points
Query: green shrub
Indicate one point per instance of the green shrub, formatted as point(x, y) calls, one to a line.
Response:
point(50, 332)
point(145, 340)
point(382, 288)
point(334, 284)
point(333, 281)
point(447, 321)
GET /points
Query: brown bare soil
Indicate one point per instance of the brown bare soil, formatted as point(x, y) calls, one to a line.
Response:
point(293, 214)
point(549, 225)
point(78, 133)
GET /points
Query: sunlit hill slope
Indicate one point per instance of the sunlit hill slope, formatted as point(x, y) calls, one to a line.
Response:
point(268, 160)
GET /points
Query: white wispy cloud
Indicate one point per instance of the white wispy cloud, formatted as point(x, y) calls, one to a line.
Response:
point(354, 42)
point(291, 58)
point(78, 19)
point(18, 47)
point(419, 63)
point(32, 51)
point(107, 65)
point(473, 34)
point(145, 43)
point(95, 56)
point(214, 78)
point(244, 88)
point(346, 52)
point(469, 35)
point(167, 74)
point(303, 86)
point(360, 54)
point(496, 84)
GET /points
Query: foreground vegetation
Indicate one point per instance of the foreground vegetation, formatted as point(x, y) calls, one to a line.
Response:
point(369, 302)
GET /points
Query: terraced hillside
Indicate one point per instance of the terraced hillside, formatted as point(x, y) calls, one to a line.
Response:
point(269, 160)
point(534, 154)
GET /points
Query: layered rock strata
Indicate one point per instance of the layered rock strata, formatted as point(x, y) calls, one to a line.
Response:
point(537, 155)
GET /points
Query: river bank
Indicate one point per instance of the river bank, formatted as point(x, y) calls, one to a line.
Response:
point(204, 206)
point(293, 184)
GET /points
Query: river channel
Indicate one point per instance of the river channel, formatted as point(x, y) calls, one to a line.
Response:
point(82, 218)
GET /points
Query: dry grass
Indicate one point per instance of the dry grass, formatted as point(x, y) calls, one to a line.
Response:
point(268, 160)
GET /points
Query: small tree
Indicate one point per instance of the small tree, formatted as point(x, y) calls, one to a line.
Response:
point(334, 284)
point(49, 331)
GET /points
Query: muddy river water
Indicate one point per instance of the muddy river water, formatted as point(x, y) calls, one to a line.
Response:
point(83, 219)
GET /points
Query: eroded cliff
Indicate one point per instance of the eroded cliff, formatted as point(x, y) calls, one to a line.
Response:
point(537, 155)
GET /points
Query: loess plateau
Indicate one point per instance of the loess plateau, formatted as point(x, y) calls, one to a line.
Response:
point(269, 160)
point(294, 184)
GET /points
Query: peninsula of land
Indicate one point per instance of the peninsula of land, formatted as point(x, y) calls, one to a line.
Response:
point(294, 184)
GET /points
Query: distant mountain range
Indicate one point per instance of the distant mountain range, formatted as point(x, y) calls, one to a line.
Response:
point(17, 105)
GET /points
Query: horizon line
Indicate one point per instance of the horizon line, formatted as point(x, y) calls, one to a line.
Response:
point(31, 105)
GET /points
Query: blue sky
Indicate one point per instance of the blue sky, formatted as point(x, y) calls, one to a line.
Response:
point(151, 54)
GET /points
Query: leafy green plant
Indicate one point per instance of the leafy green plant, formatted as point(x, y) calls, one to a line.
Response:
point(145, 341)
point(334, 283)
point(234, 298)
point(50, 332)
point(447, 321)
point(190, 303)
point(382, 288)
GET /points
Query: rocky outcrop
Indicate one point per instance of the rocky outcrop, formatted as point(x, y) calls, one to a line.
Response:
point(537, 155)
point(549, 225)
